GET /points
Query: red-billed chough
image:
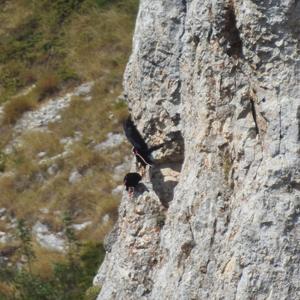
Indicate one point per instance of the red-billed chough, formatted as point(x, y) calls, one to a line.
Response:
point(140, 148)
point(131, 180)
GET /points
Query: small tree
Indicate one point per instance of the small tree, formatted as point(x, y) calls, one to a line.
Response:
point(68, 274)
point(26, 249)
point(27, 284)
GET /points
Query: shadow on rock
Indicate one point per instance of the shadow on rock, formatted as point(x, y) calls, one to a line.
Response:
point(164, 179)
point(141, 188)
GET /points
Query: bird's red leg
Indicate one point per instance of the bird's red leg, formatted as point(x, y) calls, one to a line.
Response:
point(143, 170)
point(131, 192)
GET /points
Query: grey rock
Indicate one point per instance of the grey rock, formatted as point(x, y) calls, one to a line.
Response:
point(113, 140)
point(49, 112)
point(53, 169)
point(121, 170)
point(5, 237)
point(47, 239)
point(117, 190)
point(105, 219)
point(1, 112)
point(82, 226)
point(41, 155)
point(3, 211)
point(84, 89)
point(219, 218)
point(74, 177)
point(111, 238)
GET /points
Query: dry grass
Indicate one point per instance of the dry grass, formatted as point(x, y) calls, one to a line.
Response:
point(6, 290)
point(8, 193)
point(14, 109)
point(5, 134)
point(43, 265)
point(94, 43)
point(47, 85)
point(13, 14)
point(34, 142)
point(102, 48)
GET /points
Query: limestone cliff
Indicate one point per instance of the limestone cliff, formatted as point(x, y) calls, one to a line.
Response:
point(218, 216)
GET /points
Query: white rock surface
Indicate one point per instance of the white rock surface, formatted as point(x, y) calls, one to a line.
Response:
point(5, 237)
point(121, 170)
point(49, 112)
point(47, 239)
point(82, 226)
point(220, 81)
point(75, 177)
point(41, 155)
point(117, 190)
point(3, 211)
point(113, 140)
point(1, 112)
point(84, 89)
point(44, 210)
point(105, 219)
point(53, 169)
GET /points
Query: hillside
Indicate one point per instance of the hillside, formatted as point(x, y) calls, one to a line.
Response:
point(62, 157)
point(218, 215)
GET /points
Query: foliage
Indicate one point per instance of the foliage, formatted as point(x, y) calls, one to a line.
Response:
point(92, 293)
point(70, 278)
point(2, 161)
point(44, 36)
point(24, 235)
point(52, 46)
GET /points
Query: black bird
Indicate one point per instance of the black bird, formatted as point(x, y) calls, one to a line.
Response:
point(131, 180)
point(140, 149)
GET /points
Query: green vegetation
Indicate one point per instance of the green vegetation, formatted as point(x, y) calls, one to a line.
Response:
point(46, 49)
point(70, 279)
point(63, 40)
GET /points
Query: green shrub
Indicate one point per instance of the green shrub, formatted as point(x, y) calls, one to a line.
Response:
point(70, 279)
point(92, 293)
point(2, 161)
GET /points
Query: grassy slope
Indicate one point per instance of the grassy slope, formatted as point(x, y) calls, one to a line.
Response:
point(56, 45)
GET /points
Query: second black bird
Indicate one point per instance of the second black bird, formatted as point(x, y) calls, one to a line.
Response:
point(131, 180)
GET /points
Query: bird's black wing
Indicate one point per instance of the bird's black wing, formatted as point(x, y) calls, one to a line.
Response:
point(134, 137)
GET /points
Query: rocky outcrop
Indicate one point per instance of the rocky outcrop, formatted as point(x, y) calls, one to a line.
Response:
point(219, 216)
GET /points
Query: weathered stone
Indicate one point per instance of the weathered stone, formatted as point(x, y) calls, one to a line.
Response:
point(84, 89)
point(105, 219)
point(117, 190)
point(219, 82)
point(47, 239)
point(81, 226)
point(41, 155)
point(3, 211)
point(5, 237)
point(121, 170)
point(113, 140)
point(74, 177)
point(53, 169)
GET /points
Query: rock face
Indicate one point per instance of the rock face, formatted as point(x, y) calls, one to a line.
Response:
point(219, 217)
